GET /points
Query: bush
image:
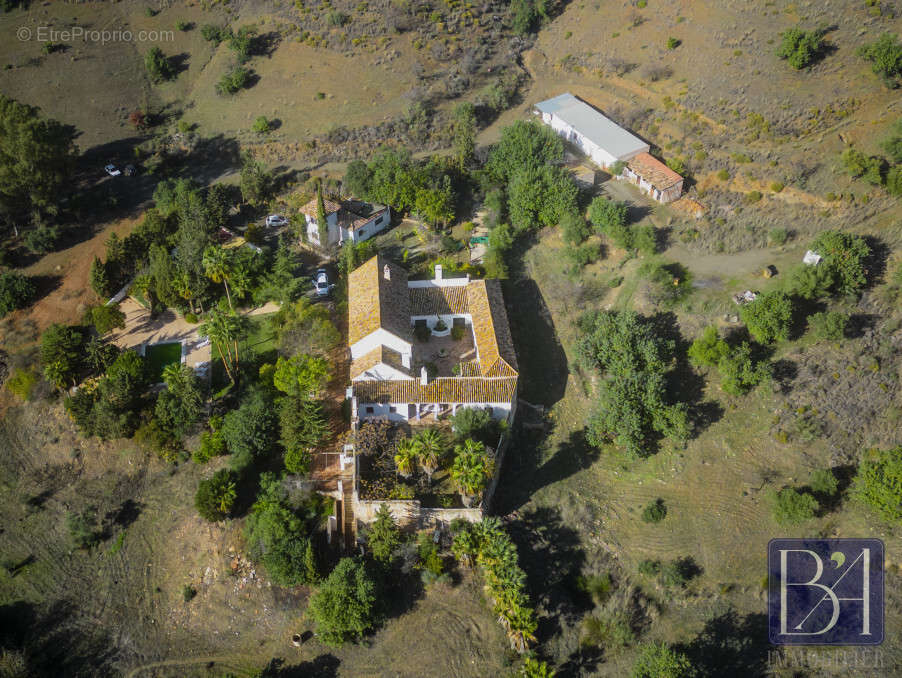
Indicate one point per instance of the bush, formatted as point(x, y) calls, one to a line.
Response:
point(21, 382)
point(476, 423)
point(158, 66)
point(778, 236)
point(679, 572)
point(105, 318)
point(261, 125)
point(768, 317)
point(654, 512)
point(215, 496)
point(649, 568)
point(777, 186)
point(823, 482)
point(191, 318)
point(885, 55)
point(338, 19)
point(791, 507)
point(708, 349)
point(83, 528)
point(211, 445)
point(458, 332)
point(845, 257)
point(16, 291)
point(830, 325)
point(345, 606)
point(739, 372)
point(668, 283)
point(871, 168)
point(673, 43)
point(723, 175)
point(235, 80)
point(801, 48)
point(878, 483)
point(215, 34)
point(183, 26)
point(660, 661)
point(188, 593)
point(42, 239)
point(753, 197)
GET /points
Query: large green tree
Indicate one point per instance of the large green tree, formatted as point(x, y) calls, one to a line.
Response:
point(523, 145)
point(61, 353)
point(878, 483)
point(769, 317)
point(346, 604)
point(16, 291)
point(37, 157)
point(384, 536)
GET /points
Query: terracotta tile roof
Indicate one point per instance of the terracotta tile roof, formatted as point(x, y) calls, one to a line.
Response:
point(441, 390)
point(310, 208)
point(436, 300)
point(470, 369)
point(352, 218)
point(491, 329)
point(653, 171)
point(380, 354)
point(375, 302)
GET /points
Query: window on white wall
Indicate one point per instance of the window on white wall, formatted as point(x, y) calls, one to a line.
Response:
point(369, 410)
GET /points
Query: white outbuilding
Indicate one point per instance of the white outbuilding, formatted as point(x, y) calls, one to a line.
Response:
point(600, 138)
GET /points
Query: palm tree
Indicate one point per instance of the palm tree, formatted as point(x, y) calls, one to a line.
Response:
point(533, 668)
point(183, 287)
point(217, 262)
point(471, 470)
point(521, 624)
point(223, 330)
point(430, 449)
point(406, 456)
point(180, 380)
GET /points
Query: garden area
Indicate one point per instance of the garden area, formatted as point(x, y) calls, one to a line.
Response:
point(442, 466)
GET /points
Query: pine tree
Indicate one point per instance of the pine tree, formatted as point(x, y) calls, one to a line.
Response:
point(311, 571)
point(100, 281)
point(322, 223)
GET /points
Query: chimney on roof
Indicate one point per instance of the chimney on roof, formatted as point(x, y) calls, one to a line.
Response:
point(438, 271)
point(386, 272)
point(424, 376)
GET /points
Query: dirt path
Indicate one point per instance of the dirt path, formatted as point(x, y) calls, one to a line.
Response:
point(221, 662)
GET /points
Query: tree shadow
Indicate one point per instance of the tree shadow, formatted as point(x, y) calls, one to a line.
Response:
point(731, 645)
point(552, 555)
point(179, 63)
point(127, 513)
point(324, 666)
point(519, 483)
point(860, 324)
point(45, 284)
point(265, 44)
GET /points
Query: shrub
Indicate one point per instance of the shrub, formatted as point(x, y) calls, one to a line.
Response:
point(777, 186)
point(778, 236)
point(791, 507)
point(191, 318)
point(673, 43)
point(345, 606)
point(668, 283)
point(188, 593)
point(801, 48)
point(660, 661)
point(878, 483)
point(235, 80)
point(871, 168)
point(261, 125)
point(885, 55)
point(649, 568)
point(336, 18)
point(83, 528)
point(829, 325)
point(476, 423)
point(105, 318)
point(768, 317)
point(211, 445)
point(184, 26)
point(42, 239)
point(679, 572)
point(215, 34)
point(16, 291)
point(708, 349)
point(654, 512)
point(823, 481)
point(723, 175)
point(739, 372)
point(753, 196)
point(21, 382)
point(215, 496)
point(845, 256)
point(457, 332)
point(158, 66)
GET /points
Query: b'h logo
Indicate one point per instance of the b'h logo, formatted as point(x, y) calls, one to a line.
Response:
point(825, 591)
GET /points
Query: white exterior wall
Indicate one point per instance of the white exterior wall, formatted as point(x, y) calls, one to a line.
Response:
point(597, 154)
point(382, 411)
point(313, 229)
point(381, 372)
point(380, 337)
point(447, 318)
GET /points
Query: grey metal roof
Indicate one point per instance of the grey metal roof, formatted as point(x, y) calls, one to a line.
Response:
point(593, 125)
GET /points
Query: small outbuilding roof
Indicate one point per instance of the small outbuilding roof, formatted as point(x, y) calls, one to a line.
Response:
point(602, 131)
point(654, 171)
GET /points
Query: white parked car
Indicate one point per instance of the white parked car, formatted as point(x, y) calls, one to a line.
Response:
point(321, 282)
point(112, 170)
point(276, 220)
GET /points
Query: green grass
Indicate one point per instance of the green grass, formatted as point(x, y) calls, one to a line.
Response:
point(158, 356)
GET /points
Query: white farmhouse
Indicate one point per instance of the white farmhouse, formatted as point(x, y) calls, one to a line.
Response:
point(348, 220)
point(398, 377)
point(606, 143)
